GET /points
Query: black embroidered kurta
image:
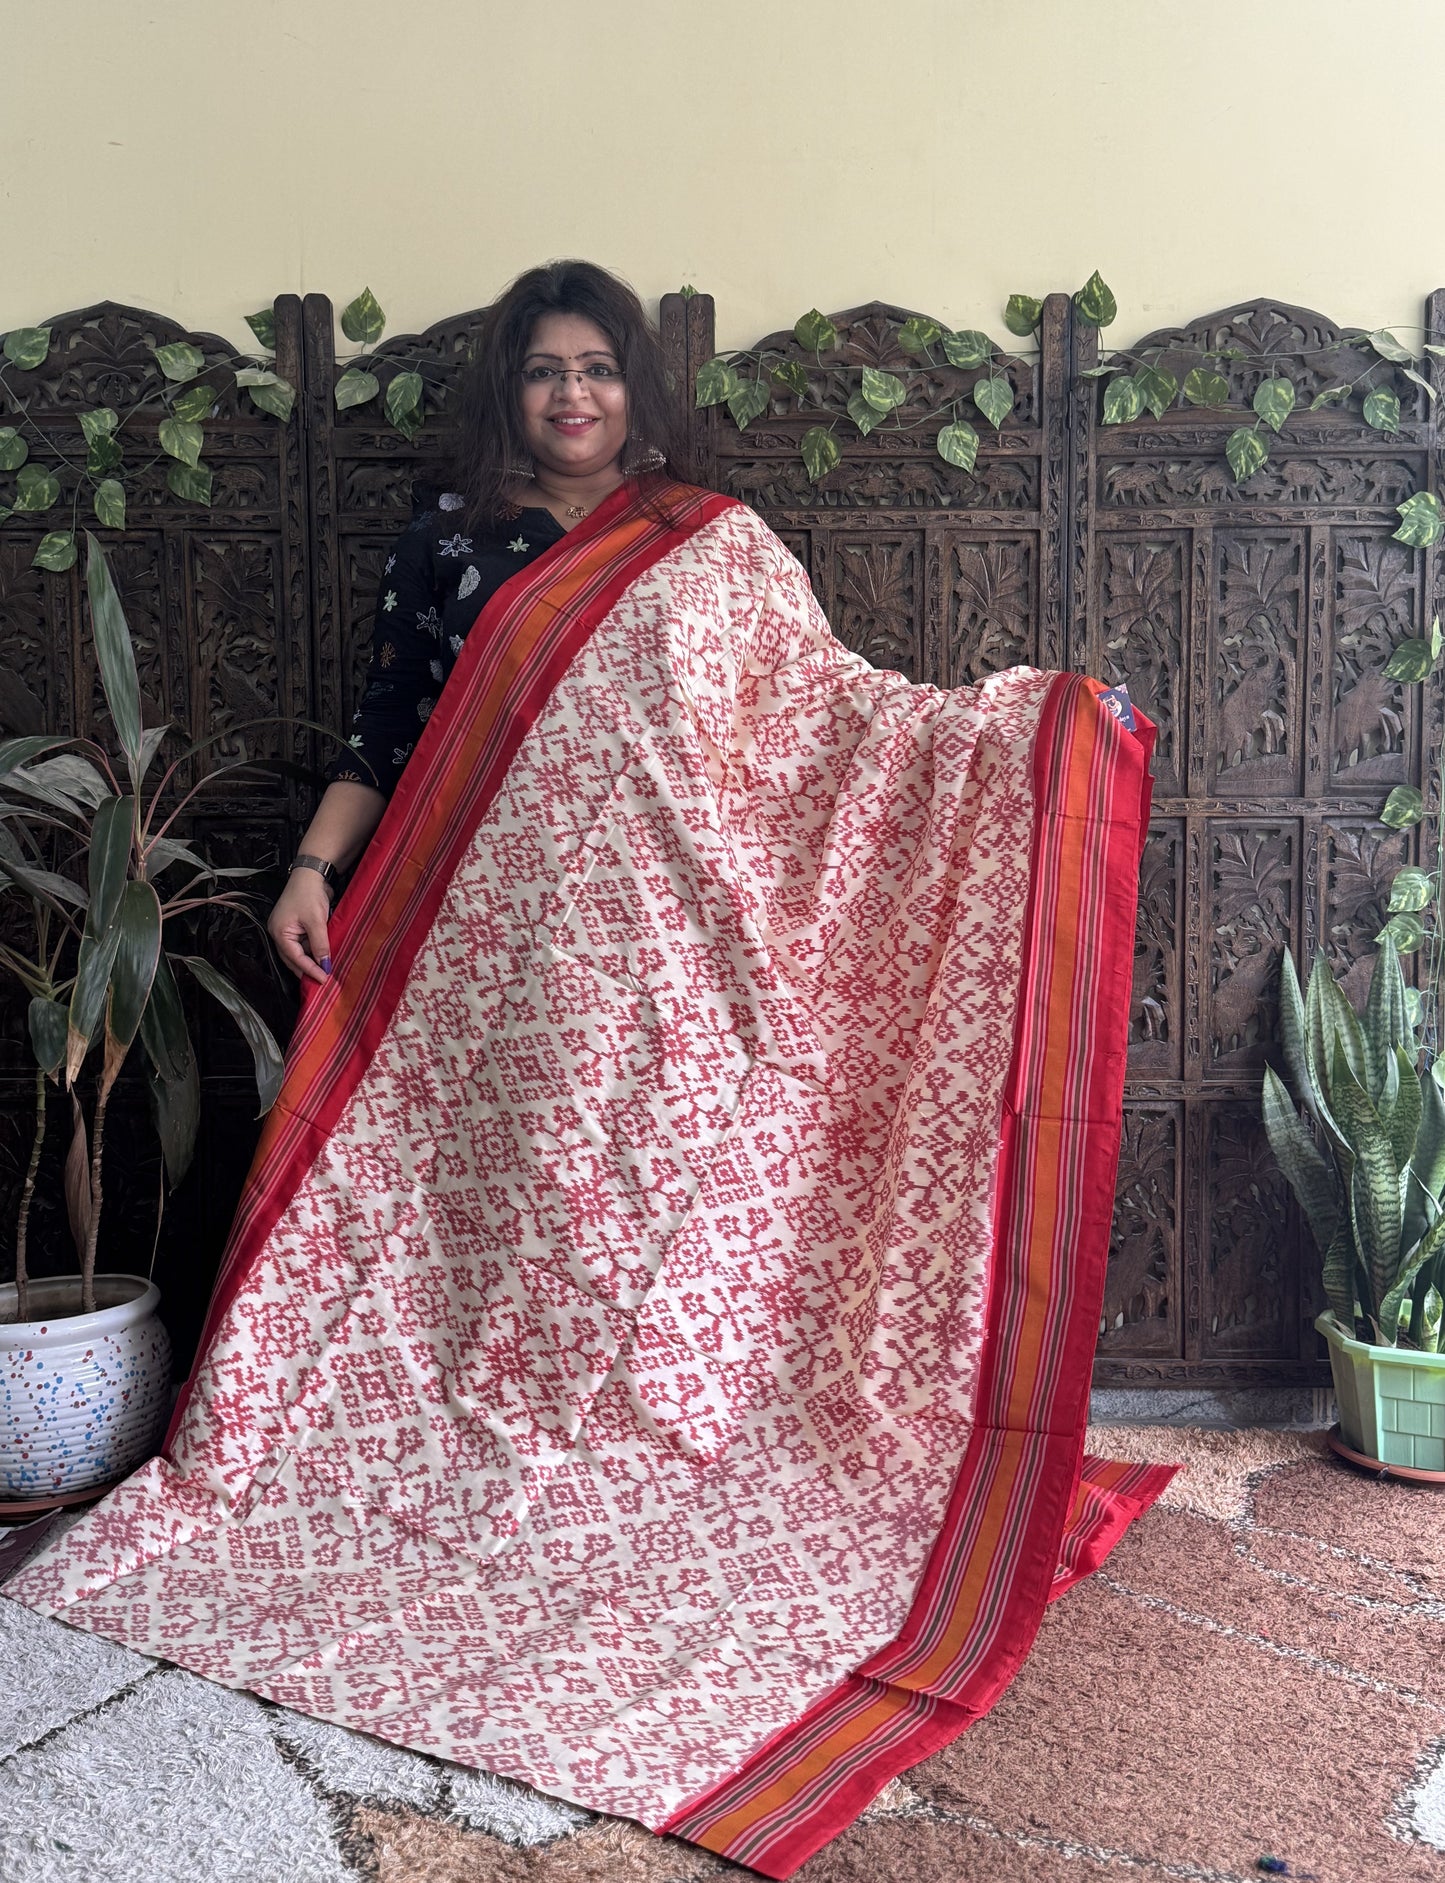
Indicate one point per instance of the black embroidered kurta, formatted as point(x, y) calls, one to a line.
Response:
point(435, 583)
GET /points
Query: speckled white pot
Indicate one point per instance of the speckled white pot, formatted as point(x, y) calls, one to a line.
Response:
point(83, 1397)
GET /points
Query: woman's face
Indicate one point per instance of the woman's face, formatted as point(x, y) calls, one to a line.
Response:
point(574, 411)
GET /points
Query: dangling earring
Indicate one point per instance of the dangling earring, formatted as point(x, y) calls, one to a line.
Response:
point(639, 462)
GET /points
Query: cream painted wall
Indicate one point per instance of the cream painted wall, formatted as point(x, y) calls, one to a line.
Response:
point(198, 158)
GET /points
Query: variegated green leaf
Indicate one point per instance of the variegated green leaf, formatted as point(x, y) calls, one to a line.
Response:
point(958, 445)
point(995, 399)
point(109, 503)
point(1411, 888)
point(1123, 400)
point(1402, 808)
point(403, 398)
point(814, 332)
point(1422, 382)
point(1332, 395)
point(362, 319)
point(1389, 348)
point(750, 401)
point(1385, 1025)
point(1405, 931)
point(179, 360)
point(1247, 452)
point(1422, 521)
point(182, 439)
point(190, 481)
point(1382, 410)
point(1430, 1311)
point(820, 452)
point(98, 423)
point(55, 552)
point(103, 457)
point(1095, 304)
point(13, 449)
point(792, 375)
point(26, 347)
point(919, 336)
point(1395, 1297)
point(274, 395)
point(1022, 314)
point(1410, 660)
point(355, 387)
point(863, 415)
point(883, 391)
point(968, 347)
point(263, 325)
point(1158, 388)
point(36, 489)
point(717, 381)
point(1299, 1157)
point(1205, 388)
point(1274, 401)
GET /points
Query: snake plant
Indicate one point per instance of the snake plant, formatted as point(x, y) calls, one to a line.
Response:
point(1370, 1177)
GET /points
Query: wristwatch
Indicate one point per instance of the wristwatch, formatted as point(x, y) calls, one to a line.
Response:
point(328, 872)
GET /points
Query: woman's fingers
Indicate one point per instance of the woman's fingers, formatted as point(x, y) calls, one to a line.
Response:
point(297, 926)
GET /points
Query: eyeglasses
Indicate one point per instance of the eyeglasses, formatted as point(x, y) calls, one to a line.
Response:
point(598, 372)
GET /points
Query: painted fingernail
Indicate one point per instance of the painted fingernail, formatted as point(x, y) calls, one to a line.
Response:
point(326, 964)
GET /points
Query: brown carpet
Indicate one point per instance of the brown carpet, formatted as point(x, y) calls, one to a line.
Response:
point(1257, 1671)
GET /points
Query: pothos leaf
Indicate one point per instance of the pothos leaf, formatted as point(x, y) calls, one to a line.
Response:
point(968, 347)
point(1410, 660)
point(958, 444)
point(195, 404)
point(1421, 520)
point(1406, 930)
point(1247, 452)
point(820, 452)
point(1202, 387)
point(919, 336)
point(1095, 304)
point(750, 401)
point(1410, 889)
point(192, 482)
point(815, 332)
point(1382, 410)
point(55, 552)
point(1022, 313)
point(263, 325)
point(13, 449)
point(995, 399)
point(883, 391)
point(99, 423)
point(362, 319)
point(793, 376)
point(1158, 388)
point(1274, 401)
point(1332, 395)
point(716, 382)
point(863, 415)
point(1402, 808)
point(180, 360)
point(355, 387)
point(26, 347)
point(182, 438)
point(1122, 400)
point(35, 488)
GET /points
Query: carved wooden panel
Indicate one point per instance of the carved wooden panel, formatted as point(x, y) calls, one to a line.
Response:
point(1251, 1272)
point(1144, 599)
point(1156, 1033)
point(1141, 1313)
point(1257, 619)
point(991, 618)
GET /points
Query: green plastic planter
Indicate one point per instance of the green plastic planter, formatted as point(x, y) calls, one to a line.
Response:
point(1391, 1399)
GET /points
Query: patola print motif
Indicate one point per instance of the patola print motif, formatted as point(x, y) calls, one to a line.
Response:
point(593, 1406)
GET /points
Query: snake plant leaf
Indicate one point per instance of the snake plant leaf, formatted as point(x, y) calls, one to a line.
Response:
point(919, 336)
point(1158, 388)
point(13, 449)
point(1202, 387)
point(109, 502)
point(1421, 1209)
point(1330, 1022)
point(179, 361)
point(55, 552)
point(863, 415)
point(1428, 1162)
point(820, 451)
point(26, 347)
point(750, 401)
point(968, 347)
point(263, 324)
point(1402, 808)
point(883, 391)
point(995, 399)
point(1386, 1019)
point(792, 375)
point(48, 1020)
point(1382, 410)
point(355, 387)
point(814, 332)
point(258, 1036)
point(1337, 1274)
point(1301, 1160)
point(36, 489)
point(192, 482)
point(163, 1030)
point(1123, 400)
point(114, 653)
point(957, 444)
point(1094, 303)
point(1430, 1320)
point(717, 381)
point(1274, 401)
point(1410, 660)
point(1394, 1298)
point(1022, 314)
point(1376, 1206)
point(1422, 522)
point(1403, 1119)
point(132, 974)
point(1292, 1029)
point(362, 319)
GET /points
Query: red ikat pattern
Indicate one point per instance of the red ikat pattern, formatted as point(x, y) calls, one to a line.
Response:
point(596, 1400)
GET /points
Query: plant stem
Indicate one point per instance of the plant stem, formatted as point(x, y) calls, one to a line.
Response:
point(22, 1227)
point(87, 1260)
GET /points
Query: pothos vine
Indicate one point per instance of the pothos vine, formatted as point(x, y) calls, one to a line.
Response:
point(1139, 384)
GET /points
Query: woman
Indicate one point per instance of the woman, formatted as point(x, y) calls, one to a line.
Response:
point(653, 1353)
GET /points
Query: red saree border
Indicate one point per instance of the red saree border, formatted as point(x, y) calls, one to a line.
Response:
point(993, 1566)
point(521, 645)
point(1110, 1495)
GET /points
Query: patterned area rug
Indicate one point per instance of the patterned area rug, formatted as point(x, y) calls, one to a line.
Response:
point(1257, 1672)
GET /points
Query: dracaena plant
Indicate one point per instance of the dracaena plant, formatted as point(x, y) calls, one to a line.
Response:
point(1371, 1176)
point(88, 838)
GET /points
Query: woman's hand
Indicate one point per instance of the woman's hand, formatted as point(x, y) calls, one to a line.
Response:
point(297, 925)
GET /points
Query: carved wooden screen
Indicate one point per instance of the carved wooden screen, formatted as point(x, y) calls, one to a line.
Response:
point(217, 603)
point(1251, 624)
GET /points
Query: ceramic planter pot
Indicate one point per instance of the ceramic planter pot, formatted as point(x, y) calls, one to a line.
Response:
point(83, 1397)
point(1391, 1399)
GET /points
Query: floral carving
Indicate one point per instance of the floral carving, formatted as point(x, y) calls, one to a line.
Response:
point(237, 656)
point(1252, 879)
point(1143, 634)
point(1375, 606)
point(1359, 863)
point(992, 607)
point(1140, 1308)
point(1255, 664)
point(1153, 1016)
point(876, 608)
point(1244, 1306)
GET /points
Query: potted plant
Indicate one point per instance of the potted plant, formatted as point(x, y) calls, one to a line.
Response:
point(87, 841)
point(1370, 1178)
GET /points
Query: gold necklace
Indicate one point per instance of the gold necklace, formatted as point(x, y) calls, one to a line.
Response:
point(576, 511)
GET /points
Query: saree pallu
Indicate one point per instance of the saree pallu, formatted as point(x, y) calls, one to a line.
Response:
point(652, 1357)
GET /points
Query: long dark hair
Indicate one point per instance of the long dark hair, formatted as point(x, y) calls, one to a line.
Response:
point(492, 444)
